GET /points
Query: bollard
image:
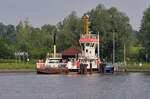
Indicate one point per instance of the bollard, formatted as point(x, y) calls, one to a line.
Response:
point(104, 71)
point(103, 68)
point(85, 69)
point(90, 67)
point(81, 71)
point(99, 68)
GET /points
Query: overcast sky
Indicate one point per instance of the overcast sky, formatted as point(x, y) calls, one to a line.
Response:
point(42, 12)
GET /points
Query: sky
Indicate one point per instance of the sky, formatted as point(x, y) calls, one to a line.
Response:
point(42, 12)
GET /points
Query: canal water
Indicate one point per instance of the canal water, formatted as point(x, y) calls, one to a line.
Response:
point(95, 86)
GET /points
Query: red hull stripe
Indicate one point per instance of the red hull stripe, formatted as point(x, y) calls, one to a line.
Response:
point(88, 40)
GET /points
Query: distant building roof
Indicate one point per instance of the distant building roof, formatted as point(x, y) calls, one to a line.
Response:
point(71, 51)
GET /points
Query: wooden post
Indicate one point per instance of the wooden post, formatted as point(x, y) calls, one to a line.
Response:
point(85, 69)
point(104, 71)
point(90, 67)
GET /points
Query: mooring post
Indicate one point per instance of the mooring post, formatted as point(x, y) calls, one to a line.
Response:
point(104, 71)
point(81, 68)
point(103, 68)
point(85, 69)
point(90, 67)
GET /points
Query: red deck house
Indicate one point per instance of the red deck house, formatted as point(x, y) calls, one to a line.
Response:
point(71, 52)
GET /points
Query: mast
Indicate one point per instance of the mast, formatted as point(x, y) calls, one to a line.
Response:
point(113, 48)
point(124, 54)
point(98, 46)
point(55, 45)
point(87, 26)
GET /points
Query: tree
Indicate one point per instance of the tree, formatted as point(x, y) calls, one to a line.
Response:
point(24, 35)
point(11, 35)
point(69, 31)
point(37, 42)
point(3, 31)
point(107, 22)
point(144, 33)
point(7, 40)
point(5, 51)
point(47, 28)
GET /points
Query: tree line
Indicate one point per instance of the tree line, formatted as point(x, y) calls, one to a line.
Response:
point(108, 22)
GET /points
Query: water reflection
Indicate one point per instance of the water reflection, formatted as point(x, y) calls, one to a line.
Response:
point(95, 86)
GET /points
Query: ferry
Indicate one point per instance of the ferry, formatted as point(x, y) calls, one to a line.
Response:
point(87, 61)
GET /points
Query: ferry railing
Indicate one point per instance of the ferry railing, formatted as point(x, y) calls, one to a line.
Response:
point(88, 56)
point(51, 65)
point(51, 55)
point(91, 36)
point(115, 64)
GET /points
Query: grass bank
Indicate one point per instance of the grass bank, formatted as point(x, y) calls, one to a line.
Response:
point(146, 66)
point(7, 61)
point(32, 61)
point(18, 66)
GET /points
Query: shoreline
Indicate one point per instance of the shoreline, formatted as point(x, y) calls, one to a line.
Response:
point(133, 70)
point(34, 70)
point(17, 70)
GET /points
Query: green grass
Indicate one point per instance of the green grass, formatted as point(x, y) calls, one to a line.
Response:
point(7, 60)
point(17, 66)
point(146, 66)
point(32, 61)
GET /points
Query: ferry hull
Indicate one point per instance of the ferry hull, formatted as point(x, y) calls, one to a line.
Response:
point(52, 70)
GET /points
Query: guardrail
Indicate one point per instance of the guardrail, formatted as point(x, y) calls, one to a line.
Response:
point(51, 65)
point(92, 36)
point(83, 55)
point(51, 55)
point(115, 64)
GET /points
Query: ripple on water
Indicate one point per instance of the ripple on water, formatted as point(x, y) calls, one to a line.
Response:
point(95, 86)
